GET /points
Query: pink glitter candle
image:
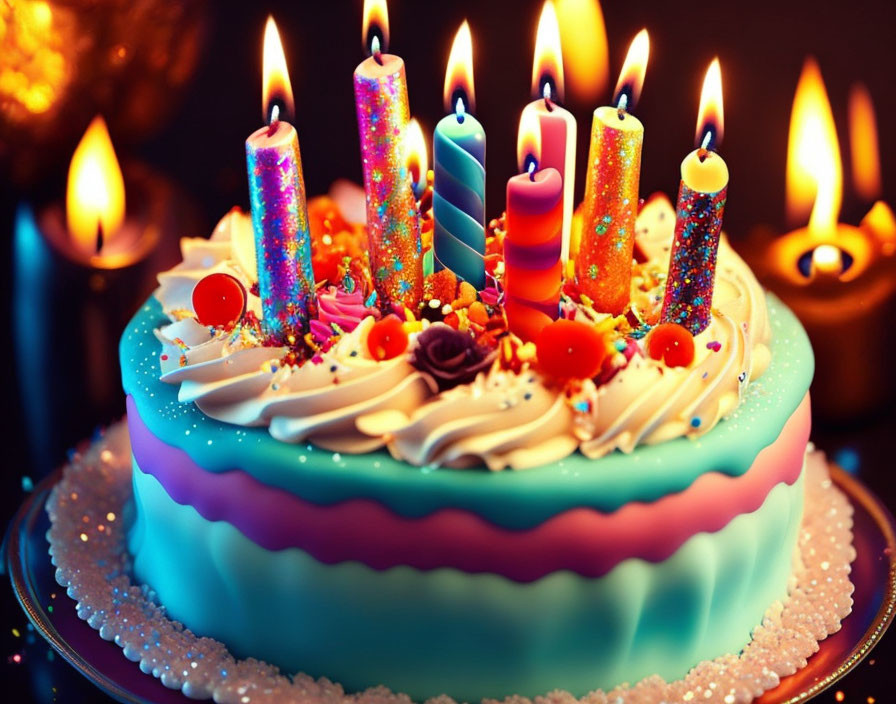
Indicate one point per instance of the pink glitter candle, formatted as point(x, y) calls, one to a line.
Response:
point(393, 224)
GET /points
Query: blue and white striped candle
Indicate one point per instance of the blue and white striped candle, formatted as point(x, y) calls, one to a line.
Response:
point(459, 173)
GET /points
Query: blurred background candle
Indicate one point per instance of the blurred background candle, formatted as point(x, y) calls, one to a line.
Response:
point(279, 208)
point(698, 222)
point(533, 240)
point(459, 172)
point(839, 279)
point(558, 126)
point(603, 262)
point(381, 103)
point(79, 272)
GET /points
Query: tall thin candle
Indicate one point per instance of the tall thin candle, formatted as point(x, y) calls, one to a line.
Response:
point(698, 223)
point(393, 224)
point(459, 172)
point(558, 126)
point(279, 210)
point(604, 259)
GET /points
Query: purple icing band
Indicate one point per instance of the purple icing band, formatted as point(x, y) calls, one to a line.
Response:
point(550, 308)
point(537, 257)
point(581, 540)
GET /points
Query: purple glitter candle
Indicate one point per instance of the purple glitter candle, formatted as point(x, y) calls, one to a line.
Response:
point(698, 226)
point(282, 237)
point(393, 226)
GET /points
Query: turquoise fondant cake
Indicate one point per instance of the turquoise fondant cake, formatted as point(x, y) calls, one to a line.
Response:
point(423, 502)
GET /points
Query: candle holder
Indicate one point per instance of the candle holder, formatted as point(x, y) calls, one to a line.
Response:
point(843, 289)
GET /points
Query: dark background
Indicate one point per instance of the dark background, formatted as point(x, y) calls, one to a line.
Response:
point(199, 147)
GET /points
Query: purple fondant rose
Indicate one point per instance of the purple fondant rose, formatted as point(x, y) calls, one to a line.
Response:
point(451, 357)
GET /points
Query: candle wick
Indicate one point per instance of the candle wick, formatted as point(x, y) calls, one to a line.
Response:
point(375, 50)
point(459, 109)
point(533, 165)
point(275, 120)
point(702, 154)
point(547, 96)
point(99, 237)
point(622, 106)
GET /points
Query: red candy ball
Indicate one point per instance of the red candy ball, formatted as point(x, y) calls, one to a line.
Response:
point(671, 343)
point(387, 338)
point(568, 349)
point(219, 300)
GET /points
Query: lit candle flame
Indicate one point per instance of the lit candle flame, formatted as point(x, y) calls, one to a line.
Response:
point(94, 202)
point(528, 142)
point(375, 26)
point(417, 159)
point(459, 93)
point(276, 100)
point(880, 222)
point(631, 78)
point(547, 68)
point(814, 170)
point(711, 115)
point(863, 144)
point(585, 52)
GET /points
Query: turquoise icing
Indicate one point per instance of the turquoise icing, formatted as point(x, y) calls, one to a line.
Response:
point(470, 636)
point(517, 500)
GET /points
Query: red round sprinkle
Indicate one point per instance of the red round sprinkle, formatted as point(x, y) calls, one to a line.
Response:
point(671, 343)
point(387, 338)
point(219, 300)
point(568, 349)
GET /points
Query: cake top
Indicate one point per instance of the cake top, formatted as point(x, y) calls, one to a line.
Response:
point(447, 383)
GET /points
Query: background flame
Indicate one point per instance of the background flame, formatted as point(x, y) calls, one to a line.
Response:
point(277, 89)
point(375, 22)
point(863, 145)
point(711, 115)
point(95, 192)
point(631, 77)
point(548, 62)
point(459, 73)
point(585, 53)
point(814, 170)
point(415, 150)
point(528, 141)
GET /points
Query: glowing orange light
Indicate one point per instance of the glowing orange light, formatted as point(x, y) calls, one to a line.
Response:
point(459, 74)
point(585, 52)
point(863, 144)
point(528, 142)
point(277, 101)
point(94, 202)
point(415, 146)
point(814, 170)
point(711, 115)
point(881, 224)
point(631, 78)
point(547, 68)
point(376, 21)
point(826, 258)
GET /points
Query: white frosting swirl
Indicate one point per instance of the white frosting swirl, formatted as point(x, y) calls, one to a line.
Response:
point(346, 401)
point(501, 420)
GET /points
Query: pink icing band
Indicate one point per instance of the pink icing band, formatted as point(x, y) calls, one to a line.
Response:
point(582, 540)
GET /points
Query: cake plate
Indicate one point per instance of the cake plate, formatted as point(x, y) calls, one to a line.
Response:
point(102, 662)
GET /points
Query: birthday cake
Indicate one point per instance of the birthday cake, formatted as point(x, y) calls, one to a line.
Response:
point(420, 499)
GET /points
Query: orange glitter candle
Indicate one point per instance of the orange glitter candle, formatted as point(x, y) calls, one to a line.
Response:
point(604, 259)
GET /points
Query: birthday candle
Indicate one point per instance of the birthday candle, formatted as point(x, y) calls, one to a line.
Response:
point(604, 257)
point(459, 173)
point(558, 126)
point(698, 222)
point(533, 243)
point(393, 227)
point(279, 211)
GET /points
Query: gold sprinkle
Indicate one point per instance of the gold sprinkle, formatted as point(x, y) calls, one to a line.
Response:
point(15, 632)
point(110, 517)
point(84, 537)
point(839, 696)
